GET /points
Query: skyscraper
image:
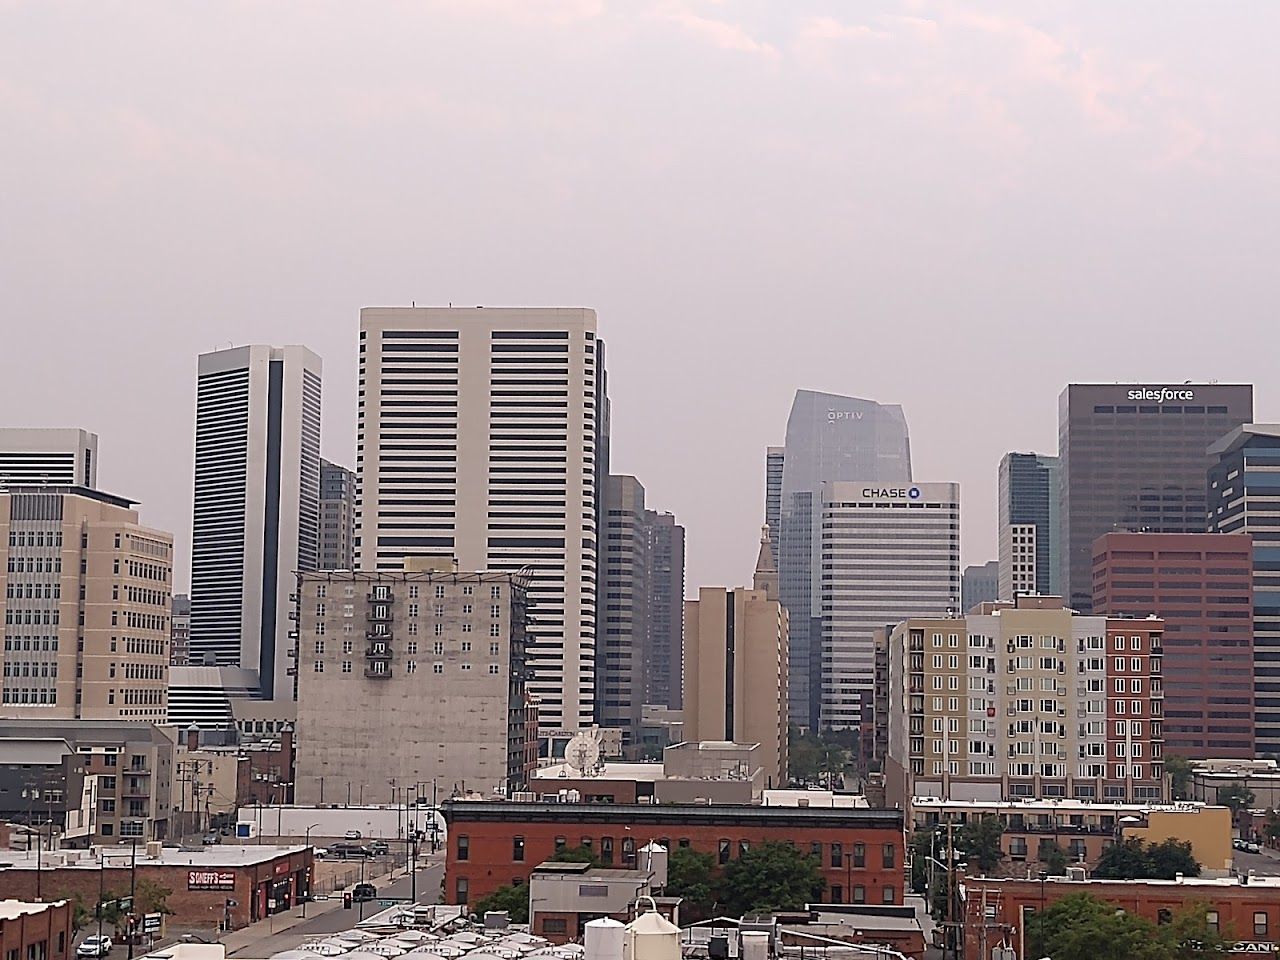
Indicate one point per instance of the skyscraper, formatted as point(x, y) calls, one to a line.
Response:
point(979, 584)
point(62, 456)
point(1244, 497)
point(257, 503)
point(887, 553)
point(1133, 459)
point(830, 438)
point(775, 461)
point(1030, 532)
point(337, 536)
point(664, 651)
point(477, 440)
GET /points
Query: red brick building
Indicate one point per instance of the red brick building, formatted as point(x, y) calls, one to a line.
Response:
point(41, 930)
point(1200, 585)
point(493, 844)
point(1247, 914)
point(261, 880)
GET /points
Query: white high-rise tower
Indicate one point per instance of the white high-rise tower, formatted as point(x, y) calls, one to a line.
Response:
point(257, 498)
point(478, 435)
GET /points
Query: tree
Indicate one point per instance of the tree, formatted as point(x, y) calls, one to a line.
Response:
point(1236, 796)
point(152, 897)
point(689, 876)
point(980, 842)
point(576, 855)
point(1178, 769)
point(1054, 860)
point(1135, 860)
point(514, 900)
point(80, 916)
point(1081, 927)
point(771, 876)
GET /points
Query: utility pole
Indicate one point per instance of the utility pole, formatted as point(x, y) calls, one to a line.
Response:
point(948, 930)
point(102, 869)
point(39, 858)
point(133, 892)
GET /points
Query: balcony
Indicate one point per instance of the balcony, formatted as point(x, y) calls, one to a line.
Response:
point(376, 597)
point(380, 613)
point(378, 670)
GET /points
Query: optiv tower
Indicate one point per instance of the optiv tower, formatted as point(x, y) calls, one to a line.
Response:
point(830, 439)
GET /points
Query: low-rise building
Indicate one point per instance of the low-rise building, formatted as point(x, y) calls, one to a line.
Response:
point(494, 843)
point(714, 772)
point(1259, 777)
point(36, 931)
point(1246, 911)
point(564, 897)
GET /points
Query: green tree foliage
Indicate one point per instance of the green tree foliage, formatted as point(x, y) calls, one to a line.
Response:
point(1081, 927)
point(689, 876)
point(771, 876)
point(1236, 796)
point(1054, 860)
point(514, 900)
point(979, 840)
point(1178, 770)
point(576, 855)
point(1135, 860)
point(152, 897)
point(814, 759)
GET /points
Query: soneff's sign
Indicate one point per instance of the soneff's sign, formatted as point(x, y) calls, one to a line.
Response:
point(211, 880)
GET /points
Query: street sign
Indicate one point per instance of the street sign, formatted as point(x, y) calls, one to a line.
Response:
point(392, 901)
point(151, 923)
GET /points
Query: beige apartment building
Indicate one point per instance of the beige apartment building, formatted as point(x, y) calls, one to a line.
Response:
point(87, 605)
point(411, 677)
point(735, 673)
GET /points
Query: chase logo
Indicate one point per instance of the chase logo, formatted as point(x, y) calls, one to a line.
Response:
point(914, 493)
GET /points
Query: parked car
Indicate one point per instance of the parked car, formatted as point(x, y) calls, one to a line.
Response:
point(364, 892)
point(351, 835)
point(211, 838)
point(346, 851)
point(1251, 847)
point(321, 852)
point(94, 946)
point(378, 849)
point(1238, 843)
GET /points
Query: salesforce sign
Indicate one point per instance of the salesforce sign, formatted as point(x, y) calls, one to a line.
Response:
point(1162, 394)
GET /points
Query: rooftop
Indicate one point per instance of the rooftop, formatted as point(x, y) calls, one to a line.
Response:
point(644, 772)
point(214, 855)
point(13, 909)
point(1206, 883)
point(1051, 804)
point(671, 814)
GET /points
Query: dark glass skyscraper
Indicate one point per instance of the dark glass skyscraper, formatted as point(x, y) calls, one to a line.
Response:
point(829, 438)
point(1028, 509)
point(1134, 459)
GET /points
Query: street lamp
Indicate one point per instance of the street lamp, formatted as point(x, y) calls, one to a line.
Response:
point(306, 894)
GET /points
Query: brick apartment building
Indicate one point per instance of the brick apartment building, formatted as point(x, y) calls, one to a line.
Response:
point(40, 930)
point(493, 844)
point(1246, 914)
point(1200, 585)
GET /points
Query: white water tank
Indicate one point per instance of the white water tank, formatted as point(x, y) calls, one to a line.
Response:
point(602, 939)
point(653, 857)
point(755, 945)
point(651, 936)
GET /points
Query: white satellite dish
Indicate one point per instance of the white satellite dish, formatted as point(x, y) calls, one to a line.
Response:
point(582, 753)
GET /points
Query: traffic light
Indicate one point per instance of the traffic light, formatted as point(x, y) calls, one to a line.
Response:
point(346, 901)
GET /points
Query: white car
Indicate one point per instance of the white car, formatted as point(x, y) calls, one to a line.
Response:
point(94, 946)
point(1251, 847)
point(351, 835)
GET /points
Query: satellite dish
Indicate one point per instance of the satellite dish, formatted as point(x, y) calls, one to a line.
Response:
point(582, 753)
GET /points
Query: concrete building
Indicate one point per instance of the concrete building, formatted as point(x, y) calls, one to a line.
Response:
point(566, 896)
point(86, 600)
point(1030, 531)
point(1244, 497)
point(888, 553)
point(257, 505)
point(434, 655)
point(693, 772)
point(979, 584)
point(60, 457)
point(206, 696)
point(492, 843)
point(478, 433)
point(210, 782)
point(735, 673)
point(337, 517)
point(1200, 585)
point(179, 630)
point(1133, 458)
point(126, 767)
point(1026, 700)
point(1034, 829)
point(829, 438)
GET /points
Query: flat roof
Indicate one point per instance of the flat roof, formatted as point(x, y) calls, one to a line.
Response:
point(214, 855)
point(13, 909)
point(1271, 882)
point(668, 814)
point(1052, 803)
point(647, 772)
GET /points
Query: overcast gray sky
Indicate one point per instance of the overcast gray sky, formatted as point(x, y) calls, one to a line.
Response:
point(956, 207)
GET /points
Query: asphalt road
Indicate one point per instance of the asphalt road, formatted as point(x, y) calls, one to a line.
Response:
point(330, 917)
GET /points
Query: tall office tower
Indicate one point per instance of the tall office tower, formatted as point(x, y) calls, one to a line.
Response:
point(1025, 699)
point(86, 607)
point(623, 621)
point(1200, 585)
point(433, 658)
point(663, 664)
point(1030, 532)
point(477, 440)
point(62, 457)
point(257, 506)
point(978, 584)
point(775, 460)
point(829, 438)
point(179, 630)
point(887, 553)
point(337, 517)
point(1133, 459)
point(1244, 497)
point(735, 673)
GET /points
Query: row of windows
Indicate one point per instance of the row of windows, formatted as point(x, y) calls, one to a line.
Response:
point(35, 538)
point(411, 666)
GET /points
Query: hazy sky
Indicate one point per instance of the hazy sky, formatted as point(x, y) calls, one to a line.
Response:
point(956, 207)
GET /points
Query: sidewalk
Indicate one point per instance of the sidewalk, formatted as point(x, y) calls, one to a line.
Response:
point(256, 933)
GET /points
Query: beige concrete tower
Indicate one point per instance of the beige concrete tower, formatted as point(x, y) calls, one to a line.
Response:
point(735, 673)
point(86, 601)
